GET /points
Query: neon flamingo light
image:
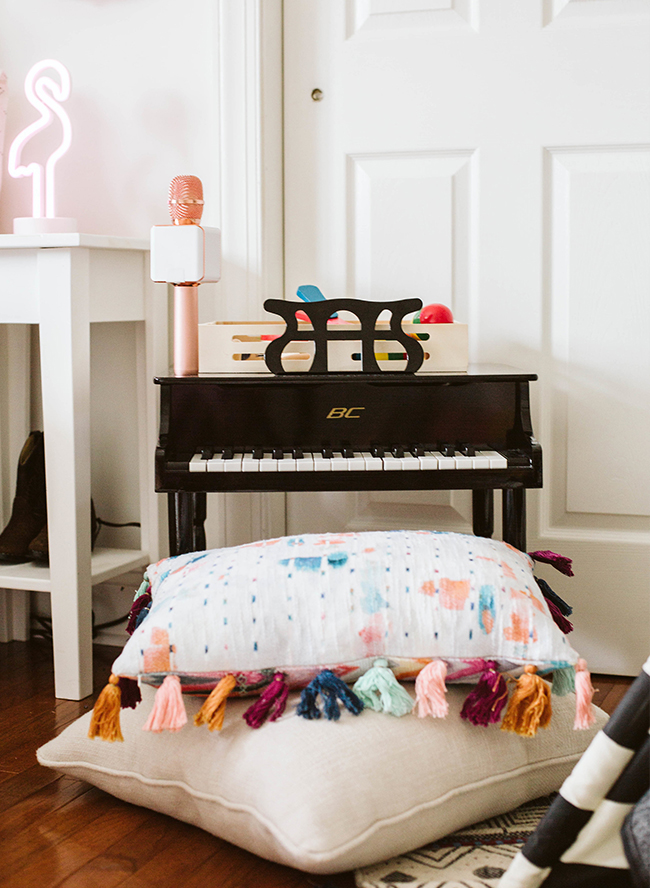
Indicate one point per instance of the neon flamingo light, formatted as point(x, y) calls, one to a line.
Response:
point(44, 94)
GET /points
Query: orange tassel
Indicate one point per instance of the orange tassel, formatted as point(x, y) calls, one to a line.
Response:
point(105, 721)
point(530, 705)
point(168, 712)
point(430, 690)
point(214, 708)
point(585, 717)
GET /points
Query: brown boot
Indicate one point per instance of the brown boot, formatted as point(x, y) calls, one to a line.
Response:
point(39, 547)
point(29, 511)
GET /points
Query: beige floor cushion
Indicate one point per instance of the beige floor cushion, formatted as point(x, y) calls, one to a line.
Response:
point(325, 796)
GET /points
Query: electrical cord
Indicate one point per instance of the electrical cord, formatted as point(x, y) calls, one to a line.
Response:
point(113, 524)
point(45, 624)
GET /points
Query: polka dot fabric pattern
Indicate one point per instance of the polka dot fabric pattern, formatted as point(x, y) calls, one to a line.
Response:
point(300, 604)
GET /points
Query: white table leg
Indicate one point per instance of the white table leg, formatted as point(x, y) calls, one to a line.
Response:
point(14, 615)
point(65, 372)
point(14, 603)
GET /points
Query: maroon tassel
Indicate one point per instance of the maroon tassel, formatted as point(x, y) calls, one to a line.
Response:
point(270, 703)
point(137, 607)
point(559, 562)
point(484, 703)
point(559, 619)
point(130, 692)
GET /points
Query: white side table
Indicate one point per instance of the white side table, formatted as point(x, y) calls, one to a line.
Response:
point(63, 283)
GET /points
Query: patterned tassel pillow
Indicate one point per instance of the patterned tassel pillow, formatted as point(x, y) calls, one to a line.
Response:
point(346, 617)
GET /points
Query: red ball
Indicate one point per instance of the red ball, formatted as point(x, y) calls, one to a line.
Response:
point(436, 314)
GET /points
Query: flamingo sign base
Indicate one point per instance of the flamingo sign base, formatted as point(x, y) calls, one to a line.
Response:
point(45, 225)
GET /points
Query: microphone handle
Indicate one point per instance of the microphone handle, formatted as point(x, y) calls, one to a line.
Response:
point(186, 329)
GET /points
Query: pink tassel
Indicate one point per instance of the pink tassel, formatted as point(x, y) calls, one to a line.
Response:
point(559, 619)
point(585, 717)
point(484, 702)
point(168, 712)
point(559, 562)
point(430, 690)
point(270, 703)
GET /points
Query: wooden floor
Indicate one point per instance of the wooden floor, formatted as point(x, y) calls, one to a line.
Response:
point(57, 831)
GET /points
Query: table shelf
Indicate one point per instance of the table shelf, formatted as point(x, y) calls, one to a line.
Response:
point(105, 563)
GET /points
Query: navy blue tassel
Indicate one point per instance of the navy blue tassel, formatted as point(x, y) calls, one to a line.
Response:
point(331, 688)
point(550, 595)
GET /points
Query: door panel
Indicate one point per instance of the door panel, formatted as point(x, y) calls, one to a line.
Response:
point(600, 320)
point(494, 156)
point(409, 231)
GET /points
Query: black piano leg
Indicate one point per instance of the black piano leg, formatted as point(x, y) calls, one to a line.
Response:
point(186, 521)
point(483, 512)
point(200, 512)
point(514, 517)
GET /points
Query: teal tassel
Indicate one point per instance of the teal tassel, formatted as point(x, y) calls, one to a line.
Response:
point(381, 691)
point(564, 681)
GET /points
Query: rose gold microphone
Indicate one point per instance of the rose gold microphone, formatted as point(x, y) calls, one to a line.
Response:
point(186, 208)
point(185, 254)
point(186, 200)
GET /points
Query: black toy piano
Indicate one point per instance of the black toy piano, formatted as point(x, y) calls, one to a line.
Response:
point(348, 431)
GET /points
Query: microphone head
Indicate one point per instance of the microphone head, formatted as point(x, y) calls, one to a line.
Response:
point(186, 200)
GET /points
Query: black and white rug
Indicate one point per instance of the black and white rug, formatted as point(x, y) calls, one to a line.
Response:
point(475, 857)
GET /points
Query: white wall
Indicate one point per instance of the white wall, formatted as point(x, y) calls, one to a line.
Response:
point(144, 105)
point(162, 88)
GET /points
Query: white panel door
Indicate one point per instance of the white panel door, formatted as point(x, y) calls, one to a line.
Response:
point(495, 156)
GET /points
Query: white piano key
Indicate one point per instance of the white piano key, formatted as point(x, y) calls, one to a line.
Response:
point(268, 463)
point(216, 464)
point(287, 464)
point(445, 462)
point(234, 464)
point(373, 463)
point(306, 464)
point(480, 462)
point(497, 460)
point(429, 460)
point(198, 464)
point(249, 463)
point(392, 463)
point(461, 461)
point(321, 464)
point(356, 463)
point(339, 462)
point(410, 462)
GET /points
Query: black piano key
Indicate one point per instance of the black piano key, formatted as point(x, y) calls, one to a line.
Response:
point(297, 453)
point(377, 452)
point(467, 449)
point(327, 452)
point(417, 450)
point(447, 449)
point(348, 452)
point(207, 453)
point(278, 453)
point(398, 452)
point(258, 453)
point(227, 453)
